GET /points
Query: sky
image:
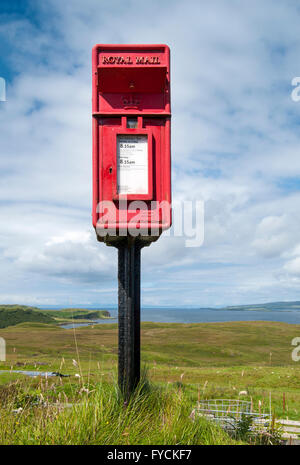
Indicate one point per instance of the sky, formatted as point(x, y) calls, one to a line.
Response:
point(235, 146)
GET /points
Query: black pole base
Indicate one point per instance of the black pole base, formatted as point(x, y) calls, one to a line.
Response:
point(129, 278)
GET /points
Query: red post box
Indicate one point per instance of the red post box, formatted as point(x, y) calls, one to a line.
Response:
point(131, 141)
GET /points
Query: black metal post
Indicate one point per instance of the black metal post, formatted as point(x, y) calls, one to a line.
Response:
point(129, 277)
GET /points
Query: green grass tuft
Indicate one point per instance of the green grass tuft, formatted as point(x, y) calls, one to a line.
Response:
point(154, 415)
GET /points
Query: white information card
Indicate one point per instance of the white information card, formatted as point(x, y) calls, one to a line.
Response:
point(132, 164)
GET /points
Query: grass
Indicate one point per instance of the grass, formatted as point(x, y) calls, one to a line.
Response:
point(186, 362)
point(154, 415)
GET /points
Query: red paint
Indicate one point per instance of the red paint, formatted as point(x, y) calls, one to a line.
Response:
point(132, 80)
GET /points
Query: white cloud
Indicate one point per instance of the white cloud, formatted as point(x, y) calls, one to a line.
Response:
point(293, 266)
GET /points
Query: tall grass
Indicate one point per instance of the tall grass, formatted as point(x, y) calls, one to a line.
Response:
point(154, 415)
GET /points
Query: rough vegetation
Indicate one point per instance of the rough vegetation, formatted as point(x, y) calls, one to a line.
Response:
point(186, 363)
point(155, 415)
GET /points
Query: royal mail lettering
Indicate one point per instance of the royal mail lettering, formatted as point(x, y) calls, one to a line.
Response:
point(116, 60)
point(121, 60)
point(147, 61)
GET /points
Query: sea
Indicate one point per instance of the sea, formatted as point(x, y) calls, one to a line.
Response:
point(203, 315)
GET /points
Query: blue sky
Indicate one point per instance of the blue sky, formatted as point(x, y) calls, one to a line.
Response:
point(235, 145)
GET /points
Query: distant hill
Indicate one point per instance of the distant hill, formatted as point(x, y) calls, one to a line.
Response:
point(269, 306)
point(77, 314)
point(11, 315)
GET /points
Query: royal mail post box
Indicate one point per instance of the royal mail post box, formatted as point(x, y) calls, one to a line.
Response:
point(131, 141)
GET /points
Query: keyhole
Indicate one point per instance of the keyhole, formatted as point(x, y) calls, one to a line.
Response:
point(110, 170)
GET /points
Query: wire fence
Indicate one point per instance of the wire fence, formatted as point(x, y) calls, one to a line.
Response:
point(228, 413)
